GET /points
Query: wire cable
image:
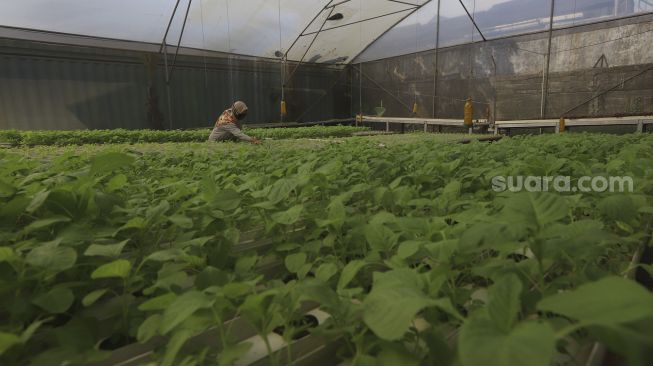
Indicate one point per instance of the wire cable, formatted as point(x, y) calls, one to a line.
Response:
point(181, 36)
point(360, 64)
point(231, 73)
point(282, 66)
point(206, 74)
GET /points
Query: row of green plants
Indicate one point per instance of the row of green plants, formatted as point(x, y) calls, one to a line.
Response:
point(107, 246)
point(122, 136)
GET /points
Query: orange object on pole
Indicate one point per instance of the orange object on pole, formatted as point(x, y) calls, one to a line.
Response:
point(562, 126)
point(284, 112)
point(469, 112)
point(415, 108)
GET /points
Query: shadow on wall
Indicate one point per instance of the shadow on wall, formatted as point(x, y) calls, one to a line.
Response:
point(108, 110)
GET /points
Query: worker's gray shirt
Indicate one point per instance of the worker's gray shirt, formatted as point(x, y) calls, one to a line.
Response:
point(228, 132)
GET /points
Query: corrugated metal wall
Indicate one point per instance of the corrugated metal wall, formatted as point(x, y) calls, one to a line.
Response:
point(45, 86)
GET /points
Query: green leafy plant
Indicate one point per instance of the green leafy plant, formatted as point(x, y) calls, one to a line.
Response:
point(406, 247)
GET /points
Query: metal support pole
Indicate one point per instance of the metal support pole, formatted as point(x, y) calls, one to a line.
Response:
point(164, 48)
point(360, 89)
point(435, 61)
point(305, 28)
point(181, 35)
point(409, 12)
point(167, 76)
point(542, 99)
point(545, 82)
point(472, 19)
point(165, 36)
point(309, 46)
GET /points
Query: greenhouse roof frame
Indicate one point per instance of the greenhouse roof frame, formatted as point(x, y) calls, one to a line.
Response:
point(283, 30)
point(224, 34)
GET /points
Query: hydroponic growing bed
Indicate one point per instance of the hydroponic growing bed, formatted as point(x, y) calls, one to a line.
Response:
point(359, 250)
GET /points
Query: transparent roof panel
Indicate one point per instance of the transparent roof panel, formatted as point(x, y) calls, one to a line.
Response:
point(495, 18)
point(342, 39)
point(574, 12)
point(268, 28)
point(415, 33)
point(142, 20)
point(339, 45)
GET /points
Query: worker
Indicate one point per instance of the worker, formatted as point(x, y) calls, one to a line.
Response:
point(227, 127)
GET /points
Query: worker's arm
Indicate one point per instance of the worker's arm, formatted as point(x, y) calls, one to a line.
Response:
point(234, 130)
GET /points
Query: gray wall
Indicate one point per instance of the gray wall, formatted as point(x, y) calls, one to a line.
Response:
point(505, 75)
point(47, 86)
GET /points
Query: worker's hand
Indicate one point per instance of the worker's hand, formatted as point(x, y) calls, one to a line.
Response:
point(256, 141)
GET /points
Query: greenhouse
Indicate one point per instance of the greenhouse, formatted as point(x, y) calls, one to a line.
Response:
point(326, 182)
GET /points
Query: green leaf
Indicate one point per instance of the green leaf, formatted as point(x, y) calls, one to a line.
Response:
point(281, 190)
point(108, 162)
point(529, 344)
point(211, 276)
point(503, 301)
point(56, 301)
point(294, 262)
point(392, 304)
point(245, 264)
point(618, 207)
point(409, 248)
point(535, 210)
point(6, 190)
point(6, 254)
point(325, 271)
point(349, 272)
point(483, 235)
point(452, 189)
point(183, 307)
point(133, 223)
point(44, 223)
point(379, 237)
point(149, 328)
point(609, 301)
point(119, 268)
point(8, 340)
point(160, 302)
point(52, 258)
point(336, 213)
point(105, 250)
point(31, 329)
point(37, 201)
point(320, 292)
point(117, 182)
point(442, 250)
point(289, 216)
point(393, 355)
point(227, 200)
point(93, 296)
point(165, 255)
point(235, 290)
point(182, 221)
point(174, 346)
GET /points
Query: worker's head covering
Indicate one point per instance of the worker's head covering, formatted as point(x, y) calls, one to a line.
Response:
point(239, 109)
